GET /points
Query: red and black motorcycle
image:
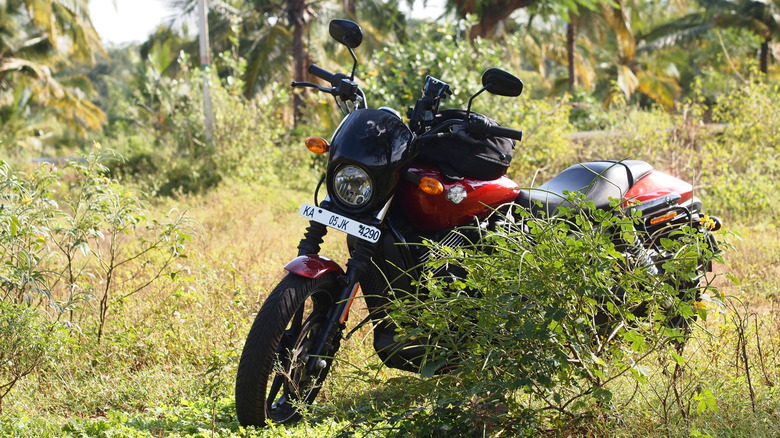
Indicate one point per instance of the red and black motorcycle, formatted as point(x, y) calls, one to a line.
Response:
point(392, 186)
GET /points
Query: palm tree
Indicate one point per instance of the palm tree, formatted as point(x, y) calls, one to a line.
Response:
point(571, 34)
point(576, 13)
point(489, 13)
point(761, 17)
point(54, 21)
point(32, 36)
point(604, 52)
point(275, 37)
point(632, 72)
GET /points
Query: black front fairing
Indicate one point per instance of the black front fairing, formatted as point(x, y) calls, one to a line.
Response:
point(379, 142)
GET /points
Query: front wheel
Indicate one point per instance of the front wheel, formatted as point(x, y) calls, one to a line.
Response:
point(272, 379)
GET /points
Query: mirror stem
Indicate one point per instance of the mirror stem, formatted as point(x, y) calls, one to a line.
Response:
point(354, 65)
point(471, 99)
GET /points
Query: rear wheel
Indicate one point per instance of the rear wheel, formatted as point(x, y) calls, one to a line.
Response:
point(272, 379)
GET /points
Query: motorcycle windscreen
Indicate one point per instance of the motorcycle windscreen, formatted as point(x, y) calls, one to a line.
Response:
point(376, 141)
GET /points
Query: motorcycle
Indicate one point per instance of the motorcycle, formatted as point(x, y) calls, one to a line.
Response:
point(390, 187)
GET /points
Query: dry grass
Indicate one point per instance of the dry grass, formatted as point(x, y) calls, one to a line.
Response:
point(248, 236)
point(162, 343)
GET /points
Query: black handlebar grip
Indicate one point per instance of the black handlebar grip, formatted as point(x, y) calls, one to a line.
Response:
point(500, 131)
point(321, 73)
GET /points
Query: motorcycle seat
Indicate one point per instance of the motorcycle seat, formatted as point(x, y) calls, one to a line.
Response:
point(600, 181)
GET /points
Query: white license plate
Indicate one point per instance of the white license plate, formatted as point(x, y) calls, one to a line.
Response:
point(341, 223)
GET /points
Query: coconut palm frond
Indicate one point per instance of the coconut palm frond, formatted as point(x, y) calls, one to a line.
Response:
point(673, 39)
point(12, 65)
point(267, 58)
point(679, 25)
point(662, 89)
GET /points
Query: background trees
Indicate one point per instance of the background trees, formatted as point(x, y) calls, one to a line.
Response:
point(37, 39)
point(634, 50)
point(761, 18)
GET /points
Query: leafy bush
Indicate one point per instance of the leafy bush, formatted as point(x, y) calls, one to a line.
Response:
point(27, 211)
point(26, 342)
point(542, 322)
point(94, 241)
point(171, 153)
point(62, 248)
point(740, 167)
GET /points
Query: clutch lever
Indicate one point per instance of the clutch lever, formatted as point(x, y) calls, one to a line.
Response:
point(313, 85)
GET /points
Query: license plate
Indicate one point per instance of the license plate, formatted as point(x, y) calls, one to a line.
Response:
point(341, 223)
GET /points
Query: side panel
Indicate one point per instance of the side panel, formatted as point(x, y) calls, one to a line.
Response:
point(436, 212)
point(313, 266)
point(657, 185)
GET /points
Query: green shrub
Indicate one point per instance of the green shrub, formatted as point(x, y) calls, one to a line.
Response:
point(171, 154)
point(27, 212)
point(62, 248)
point(541, 323)
point(26, 342)
point(394, 77)
point(741, 167)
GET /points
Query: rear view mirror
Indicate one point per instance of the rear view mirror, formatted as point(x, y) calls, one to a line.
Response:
point(346, 32)
point(502, 83)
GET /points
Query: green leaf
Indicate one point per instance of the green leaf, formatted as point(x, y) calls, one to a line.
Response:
point(429, 369)
point(14, 226)
point(707, 401)
point(603, 395)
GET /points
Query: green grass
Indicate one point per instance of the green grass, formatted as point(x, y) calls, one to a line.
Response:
point(167, 362)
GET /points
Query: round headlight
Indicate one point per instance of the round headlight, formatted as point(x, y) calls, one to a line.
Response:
point(352, 186)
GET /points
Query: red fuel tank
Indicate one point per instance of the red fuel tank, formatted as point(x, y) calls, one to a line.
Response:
point(657, 184)
point(436, 212)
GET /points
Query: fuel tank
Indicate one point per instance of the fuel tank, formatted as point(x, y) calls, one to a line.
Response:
point(460, 202)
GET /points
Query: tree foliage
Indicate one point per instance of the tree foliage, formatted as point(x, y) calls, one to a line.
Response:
point(36, 38)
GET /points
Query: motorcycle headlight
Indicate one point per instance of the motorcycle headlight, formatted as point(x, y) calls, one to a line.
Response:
point(353, 186)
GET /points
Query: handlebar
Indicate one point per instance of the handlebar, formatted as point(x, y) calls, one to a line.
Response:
point(322, 74)
point(479, 126)
point(342, 86)
point(500, 131)
point(347, 89)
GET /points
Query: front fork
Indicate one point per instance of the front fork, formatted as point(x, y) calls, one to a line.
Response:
point(357, 265)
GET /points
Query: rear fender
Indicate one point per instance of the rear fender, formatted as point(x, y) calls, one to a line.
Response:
point(313, 266)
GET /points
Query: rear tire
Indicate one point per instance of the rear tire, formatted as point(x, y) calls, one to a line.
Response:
point(272, 379)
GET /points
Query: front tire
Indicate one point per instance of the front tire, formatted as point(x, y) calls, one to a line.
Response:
point(272, 379)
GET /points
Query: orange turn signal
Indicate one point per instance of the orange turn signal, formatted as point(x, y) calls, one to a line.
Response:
point(667, 217)
point(318, 145)
point(431, 186)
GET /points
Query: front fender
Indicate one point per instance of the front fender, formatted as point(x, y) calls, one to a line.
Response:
point(313, 266)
